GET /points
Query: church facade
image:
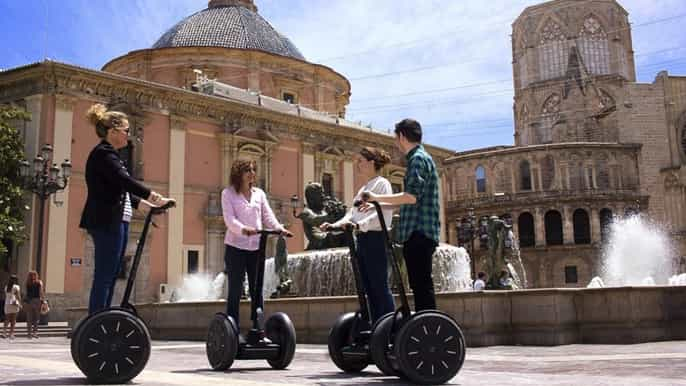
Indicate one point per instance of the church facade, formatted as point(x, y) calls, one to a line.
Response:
point(589, 143)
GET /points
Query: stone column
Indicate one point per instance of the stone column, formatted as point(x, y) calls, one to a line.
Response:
point(539, 227)
point(177, 156)
point(348, 183)
point(58, 206)
point(308, 173)
point(595, 225)
point(567, 226)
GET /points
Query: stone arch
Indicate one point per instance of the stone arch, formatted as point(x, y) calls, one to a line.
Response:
point(582, 227)
point(553, 228)
point(527, 230)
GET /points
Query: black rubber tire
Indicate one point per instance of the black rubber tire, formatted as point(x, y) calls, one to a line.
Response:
point(112, 346)
point(378, 344)
point(279, 329)
point(339, 337)
point(75, 335)
point(430, 348)
point(221, 345)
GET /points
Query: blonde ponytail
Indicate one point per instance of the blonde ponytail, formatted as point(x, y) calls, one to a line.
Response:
point(103, 120)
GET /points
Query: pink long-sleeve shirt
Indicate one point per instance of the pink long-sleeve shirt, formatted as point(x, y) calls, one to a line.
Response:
point(240, 213)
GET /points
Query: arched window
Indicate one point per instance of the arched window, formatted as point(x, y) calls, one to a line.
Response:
point(552, 51)
point(480, 179)
point(524, 175)
point(553, 228)
point(594, 48)
point(527, 232)
point(582, 231)
point(605, 224)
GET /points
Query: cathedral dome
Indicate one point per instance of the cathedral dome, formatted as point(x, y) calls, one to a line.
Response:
point(228, 24)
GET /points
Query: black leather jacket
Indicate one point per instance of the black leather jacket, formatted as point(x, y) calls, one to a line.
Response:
point(108, 181)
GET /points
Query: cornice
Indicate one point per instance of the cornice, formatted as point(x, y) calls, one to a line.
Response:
point(63, 79)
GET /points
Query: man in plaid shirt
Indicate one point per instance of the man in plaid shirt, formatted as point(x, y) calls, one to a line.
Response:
point(419, 227)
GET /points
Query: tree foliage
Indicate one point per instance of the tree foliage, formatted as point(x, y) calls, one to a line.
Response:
point(12, 205)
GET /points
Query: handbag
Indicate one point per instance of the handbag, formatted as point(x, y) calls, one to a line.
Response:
point(44, 308)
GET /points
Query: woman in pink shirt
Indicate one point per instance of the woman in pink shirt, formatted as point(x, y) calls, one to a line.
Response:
point(246, 210)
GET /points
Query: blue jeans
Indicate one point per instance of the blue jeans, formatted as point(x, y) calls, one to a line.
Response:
point(371, 253)
point(108, 251)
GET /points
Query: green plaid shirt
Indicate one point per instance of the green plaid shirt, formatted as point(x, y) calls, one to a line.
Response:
point(421, 181)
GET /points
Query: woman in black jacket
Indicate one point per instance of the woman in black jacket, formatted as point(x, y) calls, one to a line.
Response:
point(111, 194)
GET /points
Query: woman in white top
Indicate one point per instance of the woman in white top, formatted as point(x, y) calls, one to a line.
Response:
point(12, 305)
point(371, 248)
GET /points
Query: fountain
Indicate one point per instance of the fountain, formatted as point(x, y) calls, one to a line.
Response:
point(639, 253)
point(325, 273)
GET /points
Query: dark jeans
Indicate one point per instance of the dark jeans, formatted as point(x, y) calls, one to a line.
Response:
point(238, 261)
point(371, 253)
point(124, 243)
point(418, 252)
point(108, 244)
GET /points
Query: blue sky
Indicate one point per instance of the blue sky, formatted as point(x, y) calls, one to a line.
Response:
point(444, 62)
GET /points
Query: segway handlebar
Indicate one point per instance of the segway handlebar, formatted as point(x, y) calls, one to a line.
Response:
point(161, 209)
point(272, 232)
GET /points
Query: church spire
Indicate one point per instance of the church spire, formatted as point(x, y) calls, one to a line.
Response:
point(249, 4)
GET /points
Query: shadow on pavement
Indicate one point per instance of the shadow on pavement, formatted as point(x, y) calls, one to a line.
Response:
point(49, 381)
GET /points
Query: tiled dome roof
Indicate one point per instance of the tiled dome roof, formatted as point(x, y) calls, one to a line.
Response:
point(231, 25)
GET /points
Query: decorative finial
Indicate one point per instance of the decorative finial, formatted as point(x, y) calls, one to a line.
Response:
point(249, 4)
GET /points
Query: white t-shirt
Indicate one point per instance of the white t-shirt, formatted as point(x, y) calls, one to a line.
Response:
point(368, 221)
point(479, 285)
point(12, 296)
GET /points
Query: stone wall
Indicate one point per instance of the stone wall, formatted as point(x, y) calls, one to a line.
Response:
point(620, 315)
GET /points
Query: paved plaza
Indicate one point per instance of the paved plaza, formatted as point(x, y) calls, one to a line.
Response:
point(48, 362)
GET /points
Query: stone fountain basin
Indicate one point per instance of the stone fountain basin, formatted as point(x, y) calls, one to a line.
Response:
point(614, 315)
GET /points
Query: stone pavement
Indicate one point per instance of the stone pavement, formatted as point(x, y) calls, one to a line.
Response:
point(47, 361)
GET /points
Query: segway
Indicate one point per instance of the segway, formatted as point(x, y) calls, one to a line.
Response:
point(223, 345)
point(113, 345)
point(426, 347)
point(349, 337)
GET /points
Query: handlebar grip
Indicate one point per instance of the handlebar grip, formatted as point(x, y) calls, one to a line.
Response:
point(272, 232)
point(163, 208)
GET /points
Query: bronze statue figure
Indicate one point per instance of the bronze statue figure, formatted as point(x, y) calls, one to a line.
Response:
point(320, 208)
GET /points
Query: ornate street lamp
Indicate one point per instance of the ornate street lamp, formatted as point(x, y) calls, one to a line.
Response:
point(295, 204)
point(44, 179)
point(466, 233)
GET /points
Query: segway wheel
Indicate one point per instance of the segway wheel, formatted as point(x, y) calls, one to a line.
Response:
point(279, 329)
point(112, 347)
point(339, 337)
point(221, 345)
point(75, 335)
point(378, 344)
point(430, 348)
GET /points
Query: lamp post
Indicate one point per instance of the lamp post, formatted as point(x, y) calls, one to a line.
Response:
point(44, 180)
point(466, 233)
point(295, 204)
